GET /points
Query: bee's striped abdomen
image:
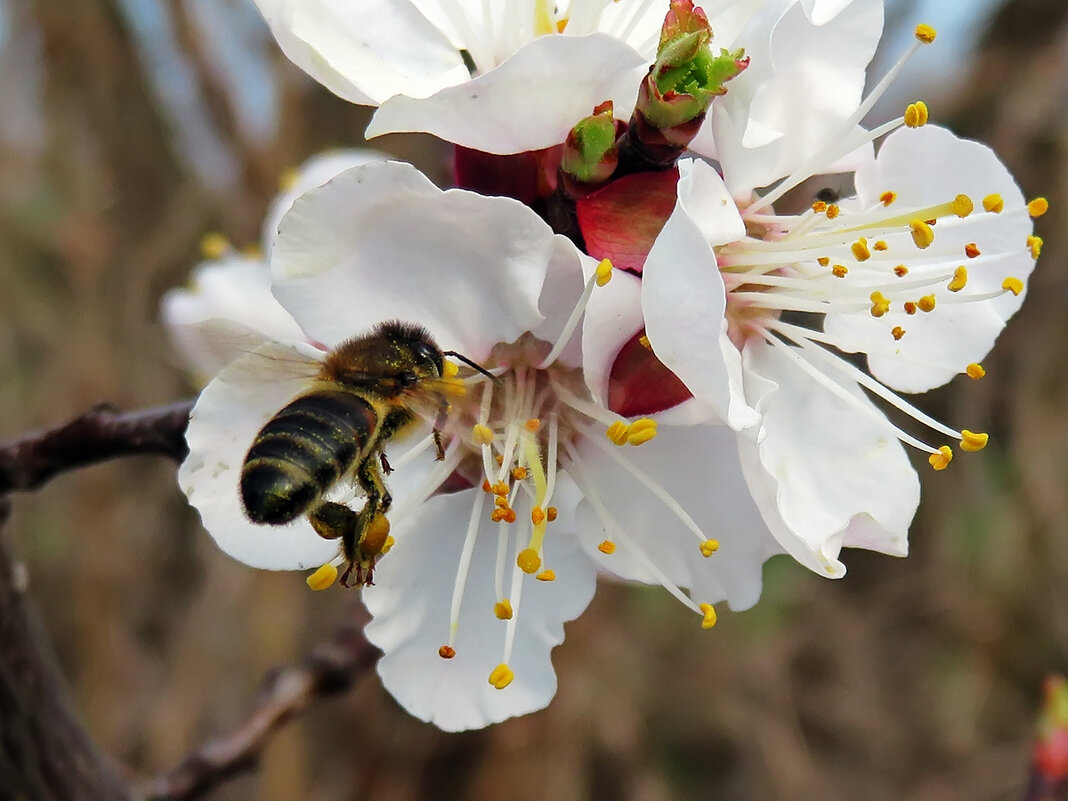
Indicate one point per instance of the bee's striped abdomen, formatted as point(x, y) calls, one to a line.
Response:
point(302, 451)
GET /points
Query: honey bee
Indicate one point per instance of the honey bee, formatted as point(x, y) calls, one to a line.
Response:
point(366, 392)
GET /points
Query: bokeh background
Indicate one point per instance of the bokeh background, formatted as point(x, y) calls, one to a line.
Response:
point(130, 128)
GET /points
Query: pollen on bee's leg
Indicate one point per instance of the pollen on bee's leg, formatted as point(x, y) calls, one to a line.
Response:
point(528, 560)
point(709, 613)
point(972, 441)
point(503, 609)
point(323, 578)
point(709, 547)
point(446, 652)
point(501, 676)
point(941, 460)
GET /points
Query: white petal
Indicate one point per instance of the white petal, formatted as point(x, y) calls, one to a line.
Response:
point(314, 172)
point(381, 242)
point(825, 474)
point(411, 601)
point(684, 299)
point(368, 51)
point(564, 282)
point(529, 102)
point(227, 311)
point(226, 418)
point(613, 316)
point(699, 467)
point(925, 166)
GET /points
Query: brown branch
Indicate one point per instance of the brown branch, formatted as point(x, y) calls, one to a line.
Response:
point(101, 433)
point(331, 669)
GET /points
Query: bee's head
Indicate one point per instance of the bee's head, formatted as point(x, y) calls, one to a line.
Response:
point(426, 356)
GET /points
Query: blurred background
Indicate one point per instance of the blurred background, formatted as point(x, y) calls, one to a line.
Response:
point(130, 128)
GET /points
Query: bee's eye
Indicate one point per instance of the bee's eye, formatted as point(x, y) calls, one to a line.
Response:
point(429, 356)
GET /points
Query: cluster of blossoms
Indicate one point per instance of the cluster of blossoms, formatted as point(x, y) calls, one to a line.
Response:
point(666, 392)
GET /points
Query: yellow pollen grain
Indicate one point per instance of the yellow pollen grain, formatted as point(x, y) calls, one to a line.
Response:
point(617, 432)
point(926, 303)
point(501, 502)
point(481, 434)
point(959, 280)
point(387, 546)
point(971, 250)
point(322, 578)
point(499, 459)
point(973, 441)
point(537, 515)
point(498, 515)
point(561, 25)
point(994, 203)
point(941, 460)
point(897, 332)
point(833, 211)
point(643, 340)
point(910, 307)
point(709, 547)
point(641, 431)
point(503, 609)
point(450, 370)
point(823, 261)
point(500, 488)
point(975, 371)
point(446, 652)
point(604, 272)
point(546, 575)
point(486, 485)
point(916, 114)
point(819, 206)
point(214, 245)
point(887, 197)
point(607, 547)
point(528, 560)
point(550, 514)
point(901, 271)
point(880, 305)
point(922, 233)
point(532, 425)
point(880, 245)
point(709, 613)
point(860, 250)
point(519, 473)
point(1037, 207)
point(509, 515)
point(1013, 285)
point(501, 676)
point(839, 271)
point(925, 33)
point(962, 206)
point(1034, 244)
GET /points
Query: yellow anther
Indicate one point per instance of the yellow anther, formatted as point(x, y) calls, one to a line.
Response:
point(823, 261)
point(888, 197)
point(501, 502)
point(546, 575)
point(322, 578)
point(550, 514)
point(880, 305)
point(880, 245)
point(910, 307)
point(971, 250)
point(901, 271)
point(537, 515)
point(922, 233)
point(643, 340)
point(1034, 244)
point(833, 211)
point(501, 676)
point(1013, 285)
point(962, 206)
point(509, 516)
point(641, 431)
point(500, 488)
point(387, 546)
point(993, 203)
point(486, 485)
point(975, 371)
point(916, 114)
point(482, 435)
point(941, 460)
point(897, 332)
point(709, 547)
point(252, 250)
point(819, 206)
point(860, 250)
point(973, 441)
point(446, 652)
point(532, 425)
point(959, 280)
point(528, 561)
point(926, 303)
point(503, 609)
point(709, 612)
point(604, 272)
point(214, 245)
point(925, 33)
point(607, 547)
point(839, 271)
point(288, 179)
point(519, 473)
point(617, 432)
point(498, 515)
point(450, 370)
point(1037, 207)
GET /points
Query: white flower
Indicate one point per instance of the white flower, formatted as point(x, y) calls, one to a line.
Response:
point(228, 309)
point(905, 272)
point(481, 579)
point(497, 77)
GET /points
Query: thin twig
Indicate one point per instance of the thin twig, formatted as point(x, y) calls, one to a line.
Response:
point(100, 434)
point(331, 669)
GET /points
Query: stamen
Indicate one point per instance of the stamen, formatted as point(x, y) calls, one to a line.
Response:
point(323, 578)
point(1013, 285)
point(972, 442)
point(1037, 207)
point(880, 305)
point(860, 250)
point(617, 432)
point(607, 547)
point(963, 206)
point(926, 303)
point(925, 33)
point(641, 431)
point(941, 459)
point(501, 676)
point(971, 250)
point(529, 561)
point(600, 277)
point(901, 271)
point(916, 114)
point(960, 279)
point(1034, 244)
point(888, 197)
point(708, 613)
point(994, 203)
point(482, 434)
point(975, 371)
point(464, 567)
point(897, 332)
point(503, 609)
point(922, 233)
point(214, 245)
point(839, 271)
point(880, 245)
point(546, 575)
point(709, 547)
point(446, 652)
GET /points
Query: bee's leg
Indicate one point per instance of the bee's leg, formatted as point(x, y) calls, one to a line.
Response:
point(385, 463)
point(333, 521)
point(439, 423)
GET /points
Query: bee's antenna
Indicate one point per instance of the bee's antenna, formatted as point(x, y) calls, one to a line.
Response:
point(473, 365)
